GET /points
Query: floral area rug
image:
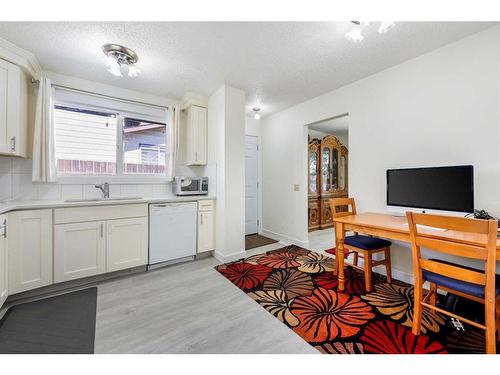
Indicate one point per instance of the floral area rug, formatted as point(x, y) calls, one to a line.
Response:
point(298, 287)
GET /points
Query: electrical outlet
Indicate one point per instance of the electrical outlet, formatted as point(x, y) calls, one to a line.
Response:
point(296, 187)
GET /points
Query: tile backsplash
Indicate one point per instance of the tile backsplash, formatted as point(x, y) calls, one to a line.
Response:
point(15, 183)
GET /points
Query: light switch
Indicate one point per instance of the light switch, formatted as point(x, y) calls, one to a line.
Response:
point(296, 187)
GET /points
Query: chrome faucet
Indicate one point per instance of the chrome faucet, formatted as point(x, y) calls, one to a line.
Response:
point(104, 188)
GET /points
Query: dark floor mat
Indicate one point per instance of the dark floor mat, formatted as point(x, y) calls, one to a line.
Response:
point(256, 240)
point(63, 324)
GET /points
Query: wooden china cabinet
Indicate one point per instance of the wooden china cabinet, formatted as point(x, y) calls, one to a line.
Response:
point(314, 211)
point(328, 174)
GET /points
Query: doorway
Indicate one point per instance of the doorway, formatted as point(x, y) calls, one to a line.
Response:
point(328, 171)
point(251, 184)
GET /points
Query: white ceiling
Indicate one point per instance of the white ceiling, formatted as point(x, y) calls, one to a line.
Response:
point(336, 125)
point(278, 64)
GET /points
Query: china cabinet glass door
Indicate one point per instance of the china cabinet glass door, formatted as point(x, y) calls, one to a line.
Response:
point(325, 169)
point(335, 169)
point(313, 172)
point(342, 173)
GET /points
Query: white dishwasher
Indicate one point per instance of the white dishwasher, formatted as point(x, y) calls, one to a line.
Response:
point(172, 231)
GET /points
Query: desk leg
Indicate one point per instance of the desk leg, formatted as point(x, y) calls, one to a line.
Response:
point(339, 236)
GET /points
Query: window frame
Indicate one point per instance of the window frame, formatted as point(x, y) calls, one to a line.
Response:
point(120, 177)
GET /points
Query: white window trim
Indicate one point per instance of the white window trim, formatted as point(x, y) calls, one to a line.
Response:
point(120, 177)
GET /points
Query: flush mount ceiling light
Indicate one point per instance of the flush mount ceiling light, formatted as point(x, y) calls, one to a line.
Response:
point(356, 35)
point(256, 113)
point(121, 60)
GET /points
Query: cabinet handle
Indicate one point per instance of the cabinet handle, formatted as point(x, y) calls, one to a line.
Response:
point(201, 217)
point(195, 156)
point(102, 230)
point(13, 144)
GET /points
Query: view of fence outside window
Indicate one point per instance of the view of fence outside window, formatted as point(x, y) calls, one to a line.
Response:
point(87, 143)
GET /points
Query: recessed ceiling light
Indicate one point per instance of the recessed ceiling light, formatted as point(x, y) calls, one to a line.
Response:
point(121, 60)
point(256, 113)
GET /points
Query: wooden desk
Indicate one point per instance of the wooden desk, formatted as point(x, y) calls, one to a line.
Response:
point(390, 227)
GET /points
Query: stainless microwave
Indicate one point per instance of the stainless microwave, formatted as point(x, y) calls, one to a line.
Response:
point(190, 186)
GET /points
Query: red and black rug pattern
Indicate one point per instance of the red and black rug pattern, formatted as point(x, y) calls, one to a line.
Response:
point(298, 287)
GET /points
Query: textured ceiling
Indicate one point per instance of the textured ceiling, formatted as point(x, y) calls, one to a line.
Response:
point(339, 124)
point(278, 64)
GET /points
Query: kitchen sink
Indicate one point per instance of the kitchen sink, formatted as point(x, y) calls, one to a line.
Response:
point(102, 199)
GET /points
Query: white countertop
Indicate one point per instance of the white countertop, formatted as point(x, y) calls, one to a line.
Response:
point(41, 204)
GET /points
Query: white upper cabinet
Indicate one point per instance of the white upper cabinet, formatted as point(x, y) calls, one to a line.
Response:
point(13, 110)
point(196, 130)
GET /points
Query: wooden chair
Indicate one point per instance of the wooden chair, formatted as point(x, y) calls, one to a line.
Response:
point(477, 285)
point(361, 245)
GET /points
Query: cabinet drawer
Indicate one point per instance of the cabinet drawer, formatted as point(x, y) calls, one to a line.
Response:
point(207, 205)
point(96, 213)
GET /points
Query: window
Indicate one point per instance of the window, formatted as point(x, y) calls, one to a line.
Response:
point(85, 142)
point(108, 139)
point(144, 147)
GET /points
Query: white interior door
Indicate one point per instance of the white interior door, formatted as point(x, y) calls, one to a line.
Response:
point(251, 184)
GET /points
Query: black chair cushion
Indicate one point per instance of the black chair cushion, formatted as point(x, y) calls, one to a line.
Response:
point(366, 242)
point(459, 285)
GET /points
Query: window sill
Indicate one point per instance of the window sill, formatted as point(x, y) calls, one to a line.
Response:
point(122, 180)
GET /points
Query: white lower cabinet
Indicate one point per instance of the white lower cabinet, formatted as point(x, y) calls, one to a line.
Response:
point(79, 251)
point(93, 240)
point(4, 266)
point(29, 249)
point(127, 243)
point(206, 226)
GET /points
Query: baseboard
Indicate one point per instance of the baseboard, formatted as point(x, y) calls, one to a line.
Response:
point(229, 258)
point(284, 239)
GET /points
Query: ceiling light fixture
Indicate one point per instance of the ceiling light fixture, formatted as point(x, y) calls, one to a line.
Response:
point(385, 26)
point(356, 35)
point(256, 113)
point(121, 60)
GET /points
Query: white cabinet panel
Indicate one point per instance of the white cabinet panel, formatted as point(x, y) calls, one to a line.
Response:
point(13, 110)
point(4, 135)
point(206, 231)
point(127, 243)
point(97, 213)
point(196, 124)
point(30, 250)
point(4, 266)
point(79, 251)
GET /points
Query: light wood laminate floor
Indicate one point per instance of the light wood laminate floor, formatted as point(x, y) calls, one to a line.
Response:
point(190, 308)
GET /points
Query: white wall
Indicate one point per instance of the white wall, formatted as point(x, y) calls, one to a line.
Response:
point(252, 126)
point(226, 120)
point(442, 108)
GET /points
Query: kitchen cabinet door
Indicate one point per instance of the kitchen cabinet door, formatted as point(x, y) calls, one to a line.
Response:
point(206, 231)
point(80, 250)
point(4, 266)
point(196, 135)
point(30, 250)
point(127, 243)
point(13, 110)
